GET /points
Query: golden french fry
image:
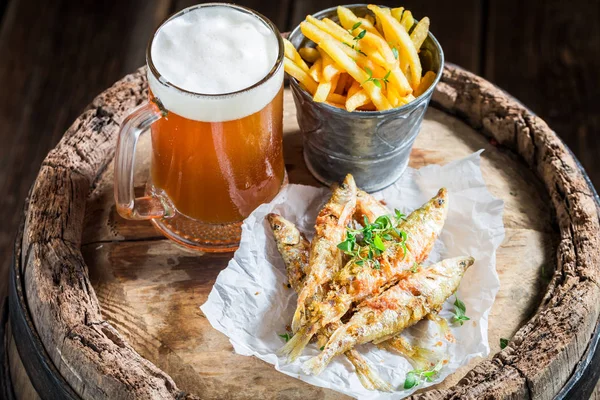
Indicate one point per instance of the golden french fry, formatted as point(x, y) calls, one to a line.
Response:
point(291, 53)
point(405, 100)
point(335, 51)
point(342, 82)
point(398, 79)
point(358, 99)
point(335, 31)
point(348, 20)
point(317, 35)
point(293, 70)
point(316, 69)
point(419, 34)
point(369, 43)
point(375, 41)
point(394, 32)
point(353, 89)
point(397, 13)
point(322, 92)
point(371, 19)
point(324, 89)
point(309, 54)
point(378, 21)
point(329, 68)
point(334, 104)
point(393, 96)
point(336, 98)
point(407, 20)
point(426, 82)
point(356, 72)
point(339, 33)
point(368, 107)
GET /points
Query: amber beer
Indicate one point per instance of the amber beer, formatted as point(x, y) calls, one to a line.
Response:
point(219, 172)
point(216, 112)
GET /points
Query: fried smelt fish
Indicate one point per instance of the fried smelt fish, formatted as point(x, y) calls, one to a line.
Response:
point(401, 306)
point(355, 281)
point(325, 258)
point(419, 357)
point(369, 207)
point(294, 249)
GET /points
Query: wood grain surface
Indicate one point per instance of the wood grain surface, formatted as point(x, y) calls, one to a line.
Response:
point(89, 351)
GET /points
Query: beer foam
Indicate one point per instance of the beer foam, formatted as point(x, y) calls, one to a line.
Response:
point(215, 50)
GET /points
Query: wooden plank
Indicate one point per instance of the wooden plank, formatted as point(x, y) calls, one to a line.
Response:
point(56, 56)
point(457, 24)
point(545, 53)
point(276, 11)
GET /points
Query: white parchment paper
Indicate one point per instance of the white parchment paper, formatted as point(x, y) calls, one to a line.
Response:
point(251, 304)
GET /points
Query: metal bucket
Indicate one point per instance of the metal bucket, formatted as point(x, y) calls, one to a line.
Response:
point(373, 146)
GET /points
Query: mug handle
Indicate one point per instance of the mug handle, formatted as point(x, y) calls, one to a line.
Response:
point(136, 123)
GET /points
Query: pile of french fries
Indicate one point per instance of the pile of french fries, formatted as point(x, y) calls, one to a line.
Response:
point(363, 63)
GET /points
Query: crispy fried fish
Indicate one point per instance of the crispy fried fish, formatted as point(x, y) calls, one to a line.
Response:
point(355, 282)
point(294, 249)
point(384, 316)
point(369, 207)
point(325, 258)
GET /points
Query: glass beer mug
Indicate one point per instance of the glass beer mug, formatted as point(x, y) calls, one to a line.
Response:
point(215, 111)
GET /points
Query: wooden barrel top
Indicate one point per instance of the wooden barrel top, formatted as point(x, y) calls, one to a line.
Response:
point(116, 306)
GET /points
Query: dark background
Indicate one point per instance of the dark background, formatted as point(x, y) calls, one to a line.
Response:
point(55, 56)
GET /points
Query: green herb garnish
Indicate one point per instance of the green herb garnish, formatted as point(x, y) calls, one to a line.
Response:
point(356, 25)
point(286, 336)
point(360, 35)
point(353, 47)
point(322, 348)
point(376, 81)
point(459, 312)
point(385, 79)
point(503, 343)
point(417, 376)
point(395, 52)
point(399, 214)
point(414, 268)
point(367, 244)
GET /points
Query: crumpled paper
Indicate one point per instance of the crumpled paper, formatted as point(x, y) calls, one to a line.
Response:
point(251, 304)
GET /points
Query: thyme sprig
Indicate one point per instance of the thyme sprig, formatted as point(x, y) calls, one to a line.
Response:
point(377, 81)
point(358, 37)
point(365, 245)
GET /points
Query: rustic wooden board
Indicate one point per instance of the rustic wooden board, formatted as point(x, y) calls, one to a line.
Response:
point(131, 265)
point(150, 289)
